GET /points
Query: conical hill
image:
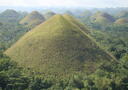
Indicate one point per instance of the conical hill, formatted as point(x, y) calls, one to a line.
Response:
point(102, 18)
point(9, 16)
point(33, 19)
point(58, 47)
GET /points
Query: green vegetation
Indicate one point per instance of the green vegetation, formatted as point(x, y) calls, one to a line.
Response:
point(102, 18)
point(33, 19)
point(59, 42)
point(113, 38)
point(13, 77)
point(10, 30)
point(62, 54)
point(10, 33)
point(49, 14)
point(122, 21)
point(10, 16)
point(85, 16)
point(107, 77)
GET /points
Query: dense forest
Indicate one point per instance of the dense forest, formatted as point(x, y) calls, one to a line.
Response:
point(107, 77)
point(110, 36)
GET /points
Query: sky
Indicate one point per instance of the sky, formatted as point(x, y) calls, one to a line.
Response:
point(65, 3)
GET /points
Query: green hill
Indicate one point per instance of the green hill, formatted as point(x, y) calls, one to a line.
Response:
point(49, 14)
point(60, 46)
point(85, 14)
point(102, 18)
point(33, 19)
point(9, 15)
point(122, 21)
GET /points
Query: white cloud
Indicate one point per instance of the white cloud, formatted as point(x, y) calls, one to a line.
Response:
point(83, 3)
point(13, 3)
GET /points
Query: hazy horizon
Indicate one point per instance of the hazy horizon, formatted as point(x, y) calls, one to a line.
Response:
point(65, 3)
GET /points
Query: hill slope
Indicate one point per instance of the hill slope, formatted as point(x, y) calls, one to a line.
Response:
point(33, 19)
point(122, 21)
point(58, 47)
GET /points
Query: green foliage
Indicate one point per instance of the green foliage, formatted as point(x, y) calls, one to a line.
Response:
point(11, 76)
point(125, 61)
point(122, 21)
point(113, 38)
point(39, 83)
point(10, 16)
point(33, 19)
point(10, 33)
point(76, 82)
point(102, 18)
point(65, 44)
point(105, 74)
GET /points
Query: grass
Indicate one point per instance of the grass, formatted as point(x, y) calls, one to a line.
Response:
point(122, 21)
point(33, 19)
point(102, 18)
point(60, 46)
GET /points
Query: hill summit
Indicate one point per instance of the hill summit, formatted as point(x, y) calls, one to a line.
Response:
point(33, 19)
point(60, 46)
point(9, 15)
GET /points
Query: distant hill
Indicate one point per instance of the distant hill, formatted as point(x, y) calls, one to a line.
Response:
point(86, 14)
point(122, 14)
point(49, 14)
point(102, 18)
point(59, 47)
point(68, 12)
point(33, 19)
point(9, 15)
point(122, 21)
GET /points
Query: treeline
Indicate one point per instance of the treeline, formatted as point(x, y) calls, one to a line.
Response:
point(107, 77)
point(10, 33)
point(113, 38)
point(13, 77)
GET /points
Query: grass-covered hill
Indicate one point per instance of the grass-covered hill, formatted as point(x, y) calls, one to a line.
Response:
point(60, 46)
point(33, 19)
point(122, 21)
point(49, 14)
point(9, 15)
point(102, 18)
